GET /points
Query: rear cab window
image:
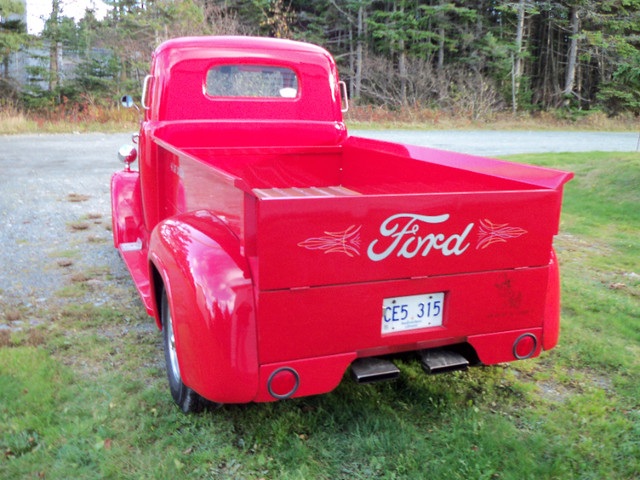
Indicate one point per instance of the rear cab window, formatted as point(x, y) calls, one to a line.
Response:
point(251, 81)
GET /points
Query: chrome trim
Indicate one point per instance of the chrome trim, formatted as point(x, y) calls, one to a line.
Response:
point(343, 88)
point(145, 86)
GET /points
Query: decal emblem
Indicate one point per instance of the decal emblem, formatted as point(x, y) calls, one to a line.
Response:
point(490, 233)
point(347, 242)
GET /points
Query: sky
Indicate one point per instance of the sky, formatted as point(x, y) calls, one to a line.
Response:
point(39, 10)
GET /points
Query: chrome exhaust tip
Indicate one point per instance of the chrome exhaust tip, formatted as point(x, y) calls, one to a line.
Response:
point(373, 369)
point(440, 360)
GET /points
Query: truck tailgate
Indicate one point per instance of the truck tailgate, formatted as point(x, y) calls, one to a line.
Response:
point(299, 242)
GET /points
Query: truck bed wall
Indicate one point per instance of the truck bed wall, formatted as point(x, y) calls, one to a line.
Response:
point(307, 154)
point(482, 214)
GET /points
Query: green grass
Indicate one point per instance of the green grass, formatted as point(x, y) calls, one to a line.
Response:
point(84, 395)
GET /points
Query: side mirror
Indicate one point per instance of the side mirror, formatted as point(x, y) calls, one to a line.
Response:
point(126, 101)
point(127, 155)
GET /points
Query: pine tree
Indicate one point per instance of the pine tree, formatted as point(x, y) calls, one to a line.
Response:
point(13, 37)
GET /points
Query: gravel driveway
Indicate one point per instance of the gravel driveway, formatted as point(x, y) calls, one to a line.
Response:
point(55, 215)
point(494, 143)
point(55, 221)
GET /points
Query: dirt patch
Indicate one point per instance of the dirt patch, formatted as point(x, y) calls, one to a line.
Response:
point(579, 246)
point(630, 289)
point(580, 381)
point(555, 392)
point(79, 277)
point(76, 197)
point(78, 226)
point(12, 316)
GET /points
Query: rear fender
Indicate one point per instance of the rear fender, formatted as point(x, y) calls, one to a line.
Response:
point(210, 292)
point(551, 325)
point(126, 208)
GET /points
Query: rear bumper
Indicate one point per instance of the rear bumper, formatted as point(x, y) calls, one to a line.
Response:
point(323, 374)
point(314, 334)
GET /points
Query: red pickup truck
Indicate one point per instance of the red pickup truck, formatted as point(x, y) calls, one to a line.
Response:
point(275, 251)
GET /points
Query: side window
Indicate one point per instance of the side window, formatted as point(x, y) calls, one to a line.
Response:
point(251, 81)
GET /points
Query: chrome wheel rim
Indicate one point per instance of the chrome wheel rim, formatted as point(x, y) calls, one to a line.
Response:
point(173, 354)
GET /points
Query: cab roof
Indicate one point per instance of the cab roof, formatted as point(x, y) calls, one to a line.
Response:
point(240, 42)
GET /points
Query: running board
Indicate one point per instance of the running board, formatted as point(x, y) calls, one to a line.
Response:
point(136, 261)
point(442, 361)
point(373, 369)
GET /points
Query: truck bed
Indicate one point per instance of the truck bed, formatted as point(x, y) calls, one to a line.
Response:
point(305, 155)
point(296, 208)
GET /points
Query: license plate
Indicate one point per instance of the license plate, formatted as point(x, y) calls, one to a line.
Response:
point(410, 313)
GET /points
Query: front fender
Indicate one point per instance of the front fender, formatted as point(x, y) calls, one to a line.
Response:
point(126, 208)
point(210, 292)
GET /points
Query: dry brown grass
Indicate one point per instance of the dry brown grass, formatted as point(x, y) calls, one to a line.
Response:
point(80, 118)
point(35, 337)
point(97, 119)
point(76, 198)
point(12, 315)
point(78, 226)
point(13, 121)
point(5, 338)
point(370, 116)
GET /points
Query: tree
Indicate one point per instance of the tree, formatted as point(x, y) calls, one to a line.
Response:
point(572, 55)
point(12, 34)
point(52, 32)
point(351, 17)
point(613, 50)
point(518, 61)
point(468, 56)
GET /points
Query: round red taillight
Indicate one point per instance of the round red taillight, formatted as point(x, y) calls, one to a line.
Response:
point(525, 346)
point(283, 382)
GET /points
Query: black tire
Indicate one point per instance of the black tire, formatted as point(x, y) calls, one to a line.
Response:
point(187, 399)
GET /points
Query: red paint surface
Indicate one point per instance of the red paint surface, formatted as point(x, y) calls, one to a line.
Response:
point(278, 236)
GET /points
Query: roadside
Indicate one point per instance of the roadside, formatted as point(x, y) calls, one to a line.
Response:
point(115, 119)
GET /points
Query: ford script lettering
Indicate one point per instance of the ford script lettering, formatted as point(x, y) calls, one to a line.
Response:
point(403, 233)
